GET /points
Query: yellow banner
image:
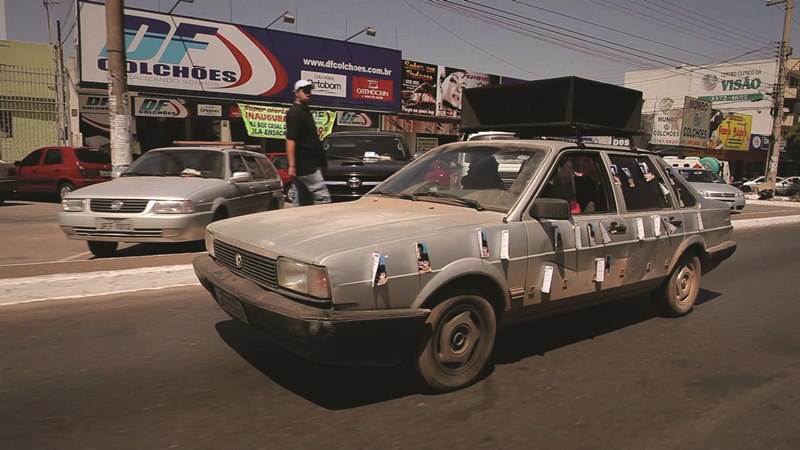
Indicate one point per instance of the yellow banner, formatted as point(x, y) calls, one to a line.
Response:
point(733, 133)
point(270, 121)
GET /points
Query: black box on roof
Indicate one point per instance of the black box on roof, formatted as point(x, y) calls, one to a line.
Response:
point(553, 107)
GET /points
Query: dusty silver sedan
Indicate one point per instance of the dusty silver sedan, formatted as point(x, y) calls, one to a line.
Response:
point(710, 185)
point(470, 237)
point(171, 195)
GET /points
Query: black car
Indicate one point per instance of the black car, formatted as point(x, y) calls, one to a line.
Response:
point(360, 160)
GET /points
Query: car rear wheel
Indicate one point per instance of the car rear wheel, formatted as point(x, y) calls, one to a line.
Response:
point(291, 192)
point(64, 189)
point(457, 344)
point(102, 249)
point(677, 295)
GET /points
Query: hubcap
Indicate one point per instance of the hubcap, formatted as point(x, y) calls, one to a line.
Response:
point(458, 341)
point(684, 284)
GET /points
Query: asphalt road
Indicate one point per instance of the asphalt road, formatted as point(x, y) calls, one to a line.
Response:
point(168, 369)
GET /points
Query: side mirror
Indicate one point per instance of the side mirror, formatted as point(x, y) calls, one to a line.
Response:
point(550, 208)
point(238, 177)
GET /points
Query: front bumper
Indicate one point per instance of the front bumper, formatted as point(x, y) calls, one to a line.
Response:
point(367, 338)
point(145, 227)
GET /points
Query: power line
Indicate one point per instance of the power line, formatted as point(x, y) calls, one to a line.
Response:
point(470, 43)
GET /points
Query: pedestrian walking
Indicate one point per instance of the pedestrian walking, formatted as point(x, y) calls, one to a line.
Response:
point(306, 156)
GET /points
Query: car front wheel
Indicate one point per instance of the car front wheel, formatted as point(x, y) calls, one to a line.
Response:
point(291, 192)
point(64, 189)
point(457, 344)
point(677, 295)
point(102, 249)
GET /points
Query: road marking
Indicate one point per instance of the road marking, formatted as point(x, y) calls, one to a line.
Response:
point(70, 258)
point(91, 284)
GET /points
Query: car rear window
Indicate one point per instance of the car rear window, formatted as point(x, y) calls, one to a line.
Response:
point(365, 147)
point(93, 155)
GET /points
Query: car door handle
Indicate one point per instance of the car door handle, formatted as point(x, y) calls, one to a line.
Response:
point(617, 228)
point(675, 221)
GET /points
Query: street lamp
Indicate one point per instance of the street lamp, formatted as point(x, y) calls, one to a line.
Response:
point(176, 4)
point(369, 31)
point(287, 18)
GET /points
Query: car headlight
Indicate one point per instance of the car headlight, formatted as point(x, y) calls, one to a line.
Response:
point(72, 204)
point(174, 207)
point(740, 194)
point(702, 192)
point(210, 243)
point(303, 278)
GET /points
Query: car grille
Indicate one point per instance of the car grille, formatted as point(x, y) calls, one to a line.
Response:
point(138, 233)
point(723, 195)
point(117, 206)
point(256, 268)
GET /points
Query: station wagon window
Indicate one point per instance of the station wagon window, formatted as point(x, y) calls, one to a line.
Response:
point(32, 159)
point(255, 169)
point(580, 178)
point(269, 170)
point(53, 156)
point(684, 194)
point(237, 163)
point(642, 186)
point(93, 155)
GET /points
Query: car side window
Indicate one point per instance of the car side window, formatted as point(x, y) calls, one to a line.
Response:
point(236, 163)
point(53, 156)
point(281, 162)
point(32, 159)
point(255, 169)
point(581, 179)
point(269, 170)
point(643, 187)
point(684, 194)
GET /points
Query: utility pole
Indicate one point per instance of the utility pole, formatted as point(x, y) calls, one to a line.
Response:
point(777, 118)
point(61, 96)
point(118, 103)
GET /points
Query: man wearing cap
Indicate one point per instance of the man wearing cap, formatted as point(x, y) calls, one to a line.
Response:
point(306, 156)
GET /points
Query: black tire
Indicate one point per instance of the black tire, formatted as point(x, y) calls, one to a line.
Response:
point(290, 191)
point(458, 343)
point(219, 214)
point(102, 249)
point(746, 188)
point(676, 297)
point(64, 189)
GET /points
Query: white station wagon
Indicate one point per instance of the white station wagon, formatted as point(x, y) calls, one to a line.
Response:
point(471, 237)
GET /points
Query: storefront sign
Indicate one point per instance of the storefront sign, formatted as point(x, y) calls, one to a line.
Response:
point(270, 121)
point(209, 110)
point(418, 88)
point(356, 119)
point(733, 133)
point(695, 123)
point(170, 108)
point(426, 143)
point(450, 89)
point(666, 123)
point(733, 97)
point(93, 103)
point(182, 54)
point(759, 142)
point(403, 124)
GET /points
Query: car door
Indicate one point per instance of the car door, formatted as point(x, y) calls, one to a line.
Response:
point(27, 180)
point(577, 257)
point(261, 196)
point(273, 179)
point(239, 198)
point(649, 215)
point(49, 172)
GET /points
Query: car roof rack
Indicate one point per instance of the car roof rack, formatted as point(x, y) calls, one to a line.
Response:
point(554, 107)
point(221, 144)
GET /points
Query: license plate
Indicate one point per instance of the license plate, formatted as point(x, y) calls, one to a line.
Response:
point(231, 306)
point(105, 173)
point(114, 225)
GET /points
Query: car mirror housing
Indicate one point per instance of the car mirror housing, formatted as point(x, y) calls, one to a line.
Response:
point(238, 177)
point(550, 208)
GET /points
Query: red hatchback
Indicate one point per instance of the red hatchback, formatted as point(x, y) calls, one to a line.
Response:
point(60, 170)
point(281, 162)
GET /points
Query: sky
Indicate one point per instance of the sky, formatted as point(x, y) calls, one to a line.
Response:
point(526, 39)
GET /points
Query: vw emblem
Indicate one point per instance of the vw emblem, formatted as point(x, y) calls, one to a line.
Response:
point(354, 182)
point(116, 205)
point(238, 260)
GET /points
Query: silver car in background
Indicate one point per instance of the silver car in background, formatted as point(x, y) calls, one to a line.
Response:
point(171, 195)
point(710, 185)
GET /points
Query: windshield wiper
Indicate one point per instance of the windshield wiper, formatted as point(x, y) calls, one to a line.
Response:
point(346, 158)
point(464, 201)
point(136, 174)
point(395, 195)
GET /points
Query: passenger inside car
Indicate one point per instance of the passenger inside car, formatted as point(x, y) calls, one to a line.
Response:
point(482, 174)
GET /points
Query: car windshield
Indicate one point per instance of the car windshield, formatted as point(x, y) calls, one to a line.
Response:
point(484, 175)
point(365, 148)
point(164, 163)
point(701, 176)
point(93, 155)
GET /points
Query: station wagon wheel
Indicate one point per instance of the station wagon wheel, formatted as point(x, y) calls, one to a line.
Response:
point(102, 249)
point(679, 293)
point(291, 191)
point(64, 189)
point(458, 344)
